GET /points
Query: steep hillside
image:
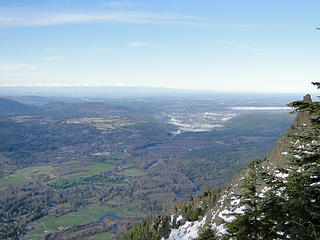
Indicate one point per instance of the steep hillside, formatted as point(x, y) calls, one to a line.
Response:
point(208, 216)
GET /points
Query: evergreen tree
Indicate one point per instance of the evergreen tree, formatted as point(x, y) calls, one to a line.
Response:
point(302, 189)
point(207, 234)
point(249, 225)
point(290, 207)
point(142, 231)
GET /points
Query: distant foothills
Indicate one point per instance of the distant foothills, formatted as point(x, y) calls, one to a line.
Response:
point(96, 90)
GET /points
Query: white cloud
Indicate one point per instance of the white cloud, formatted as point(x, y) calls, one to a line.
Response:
point(47, 19)
point(139, 44)
point(17, 67)
point(51, 59)
point(102, 49)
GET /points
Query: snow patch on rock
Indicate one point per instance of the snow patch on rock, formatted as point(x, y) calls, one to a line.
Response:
point(179, 218)
point(188, 231)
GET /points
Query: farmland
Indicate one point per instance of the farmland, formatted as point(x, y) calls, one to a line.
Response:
point(82, 166)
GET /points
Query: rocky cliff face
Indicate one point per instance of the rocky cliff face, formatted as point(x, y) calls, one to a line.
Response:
point(214, 209)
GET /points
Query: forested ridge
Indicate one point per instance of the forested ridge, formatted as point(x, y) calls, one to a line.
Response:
point(289, 206)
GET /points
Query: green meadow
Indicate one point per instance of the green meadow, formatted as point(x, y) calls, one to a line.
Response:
point(134, 172)
point(27, 174)
point(86, 215)
point(87, 171)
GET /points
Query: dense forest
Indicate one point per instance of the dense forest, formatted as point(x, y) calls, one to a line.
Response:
point(290, 208)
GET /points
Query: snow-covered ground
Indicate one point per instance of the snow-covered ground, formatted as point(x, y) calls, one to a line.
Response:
point(199, 122)
point(188, 231)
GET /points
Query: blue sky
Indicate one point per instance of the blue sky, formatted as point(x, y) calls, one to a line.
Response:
point(231, 45)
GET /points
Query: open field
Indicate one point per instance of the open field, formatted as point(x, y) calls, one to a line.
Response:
point(134, 172)
point(87, 171)
point(113, 122)
point(86, 215)
point(102, 236)
point(29, 174)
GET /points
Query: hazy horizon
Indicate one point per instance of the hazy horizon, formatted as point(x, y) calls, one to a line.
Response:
point(132, 88)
